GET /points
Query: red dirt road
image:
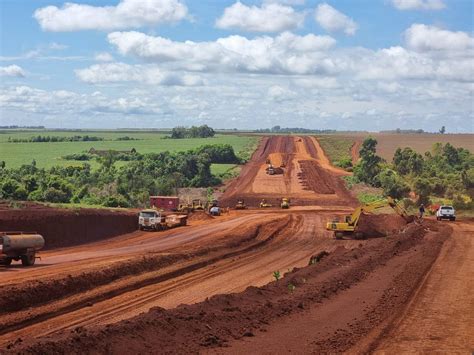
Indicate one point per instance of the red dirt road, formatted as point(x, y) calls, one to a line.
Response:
point(441, 316)
point(187, 290)
point(308, 178)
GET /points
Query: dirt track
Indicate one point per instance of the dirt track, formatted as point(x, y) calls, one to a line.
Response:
point(72, 300)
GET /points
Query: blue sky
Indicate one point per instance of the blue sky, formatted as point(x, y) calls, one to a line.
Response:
point(372, 65)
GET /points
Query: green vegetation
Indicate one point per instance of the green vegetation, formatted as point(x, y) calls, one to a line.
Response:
point(444, 173)
point(53, 139)
point(129, 185)
point(276, 275)
point(338, 150)
point(50, 154)
point(194, 132)
point(225, 171)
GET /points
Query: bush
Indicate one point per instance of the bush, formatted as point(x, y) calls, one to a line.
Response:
point(392, 184)
point(115, 201)
point(55, 195)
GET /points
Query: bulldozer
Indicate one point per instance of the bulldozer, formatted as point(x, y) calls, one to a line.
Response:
point(240, 205)
point(265, 204)
point(198, 205)
point(285, 203)
point(349, 226)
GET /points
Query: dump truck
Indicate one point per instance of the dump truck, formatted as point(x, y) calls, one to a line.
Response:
point(153, 220)
point(285, 203)
point(19, 246)
point(349, 226)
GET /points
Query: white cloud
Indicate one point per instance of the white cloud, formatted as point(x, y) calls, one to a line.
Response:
point(430, 38)
point(104, 57)
point(61, 102)
point(147, 74)
point(271, 17)
point(57, 46)
point(280, 94)
point(12, 70)
point(333, 20)
point(285, 54)
point(285, 2)
point(419, 4)
point(127, 14)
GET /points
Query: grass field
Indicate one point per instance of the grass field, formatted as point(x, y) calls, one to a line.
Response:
point(49, 154)
point(338, 146)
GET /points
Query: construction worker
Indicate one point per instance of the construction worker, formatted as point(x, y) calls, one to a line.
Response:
point(421, 210)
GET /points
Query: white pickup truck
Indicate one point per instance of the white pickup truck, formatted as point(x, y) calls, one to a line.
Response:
point(446, 212)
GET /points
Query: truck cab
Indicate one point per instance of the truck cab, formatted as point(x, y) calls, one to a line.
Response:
point(149, 220)
point(446, 212)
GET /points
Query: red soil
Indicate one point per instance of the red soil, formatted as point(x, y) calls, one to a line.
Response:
point(67, 227)
point(238, 320)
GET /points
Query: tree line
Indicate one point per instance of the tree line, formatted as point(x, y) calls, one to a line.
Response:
point(194, 132)
point(443, 172)
point(46, 139)
point(127, 186)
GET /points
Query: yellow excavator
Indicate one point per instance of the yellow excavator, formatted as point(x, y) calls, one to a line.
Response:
point(349, 226)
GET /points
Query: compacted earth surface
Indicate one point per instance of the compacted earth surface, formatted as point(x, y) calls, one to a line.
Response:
point(250, 281)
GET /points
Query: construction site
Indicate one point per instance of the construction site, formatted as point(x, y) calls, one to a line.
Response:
point(290, 262)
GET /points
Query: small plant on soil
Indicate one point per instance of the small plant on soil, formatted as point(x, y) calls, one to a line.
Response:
point(291, 287)
point(276, 275)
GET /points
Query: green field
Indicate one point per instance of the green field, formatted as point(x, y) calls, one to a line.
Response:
point(49, 154)
point(337, 148)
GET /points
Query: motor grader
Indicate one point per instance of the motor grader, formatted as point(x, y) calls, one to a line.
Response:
point(349, 226)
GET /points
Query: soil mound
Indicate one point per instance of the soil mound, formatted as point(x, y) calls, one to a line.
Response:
point(200, 216)
point(316, 179)
point(64, 227)
point(226, 318)
point(380, 225)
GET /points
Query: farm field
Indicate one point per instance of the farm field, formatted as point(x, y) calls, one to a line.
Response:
point(337, 145)
point(49, 154)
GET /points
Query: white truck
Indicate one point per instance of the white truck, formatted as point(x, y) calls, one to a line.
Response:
point(153, 220)
point(19, 246)
point(446, 212)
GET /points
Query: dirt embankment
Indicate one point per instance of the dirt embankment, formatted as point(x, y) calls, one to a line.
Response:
point(231, 320)
point(64, 227)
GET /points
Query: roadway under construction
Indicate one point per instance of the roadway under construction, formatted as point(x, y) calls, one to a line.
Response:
point(210, 286)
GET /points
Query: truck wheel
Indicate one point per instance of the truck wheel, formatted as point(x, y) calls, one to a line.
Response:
point(453, 219)
point(28, 260)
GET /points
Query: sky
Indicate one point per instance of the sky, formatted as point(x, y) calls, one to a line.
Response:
point(335, 64)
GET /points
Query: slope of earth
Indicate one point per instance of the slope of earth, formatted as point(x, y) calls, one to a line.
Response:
point(56, 225)
point(441, 316)
point(325, 307)
point(306, 177)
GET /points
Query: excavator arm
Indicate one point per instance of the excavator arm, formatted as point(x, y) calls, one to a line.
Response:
point(350, 223)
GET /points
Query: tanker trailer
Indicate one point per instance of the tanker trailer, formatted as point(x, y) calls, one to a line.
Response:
point(19, 246)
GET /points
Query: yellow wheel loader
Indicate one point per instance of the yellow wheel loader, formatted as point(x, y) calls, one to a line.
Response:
point(349, 226)
point(285, 203)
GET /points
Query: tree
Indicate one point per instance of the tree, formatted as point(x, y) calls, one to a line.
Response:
point(368, 166)
point(392, 184)
point(442, 130)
